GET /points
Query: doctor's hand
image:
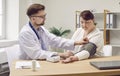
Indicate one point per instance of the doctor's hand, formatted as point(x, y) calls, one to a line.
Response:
point(81, 42)
point(65, 55)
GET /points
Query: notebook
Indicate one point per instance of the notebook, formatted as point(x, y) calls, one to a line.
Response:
point(104, 65)
point(26, 64)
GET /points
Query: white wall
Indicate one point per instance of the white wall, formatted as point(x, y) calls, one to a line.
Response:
point(12, 16)
point(62, 12)
point(23, 5)
point(16, 16)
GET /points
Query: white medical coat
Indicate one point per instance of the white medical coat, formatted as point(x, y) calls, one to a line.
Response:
point(30, 45)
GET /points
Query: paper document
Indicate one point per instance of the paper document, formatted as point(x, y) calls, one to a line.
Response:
point(25, 64)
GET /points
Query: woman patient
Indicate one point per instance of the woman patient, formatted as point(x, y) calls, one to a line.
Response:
point(90, 32)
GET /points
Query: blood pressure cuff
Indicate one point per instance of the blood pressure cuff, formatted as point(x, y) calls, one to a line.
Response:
point(90, 47)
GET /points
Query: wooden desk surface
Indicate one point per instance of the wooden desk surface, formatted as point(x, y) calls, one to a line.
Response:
point(79, 68)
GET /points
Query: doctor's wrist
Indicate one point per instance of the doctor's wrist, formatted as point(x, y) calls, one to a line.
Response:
point(77, 43)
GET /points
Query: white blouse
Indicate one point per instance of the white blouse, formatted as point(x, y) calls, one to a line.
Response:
point(95, 37)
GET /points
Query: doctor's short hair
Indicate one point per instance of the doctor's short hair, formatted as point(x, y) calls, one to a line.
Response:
point(34, 8)
point(87, 15)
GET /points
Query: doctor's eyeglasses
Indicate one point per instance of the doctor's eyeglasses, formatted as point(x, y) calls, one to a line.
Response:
point(39, 16)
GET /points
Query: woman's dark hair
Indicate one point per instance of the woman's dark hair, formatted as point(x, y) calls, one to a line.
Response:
point(34, 8)
point(86, 15)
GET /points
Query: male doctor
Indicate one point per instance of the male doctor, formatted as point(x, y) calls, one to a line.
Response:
point(35, 40)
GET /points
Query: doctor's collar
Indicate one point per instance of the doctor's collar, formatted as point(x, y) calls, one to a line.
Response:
point(41, 29)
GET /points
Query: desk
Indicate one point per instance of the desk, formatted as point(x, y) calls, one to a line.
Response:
point(79, 68)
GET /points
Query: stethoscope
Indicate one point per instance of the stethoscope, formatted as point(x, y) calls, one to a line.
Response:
point(43, 47)
point(34, 30)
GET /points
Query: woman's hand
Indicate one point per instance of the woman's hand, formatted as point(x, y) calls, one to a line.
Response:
point(65, 55)
point(70, 59)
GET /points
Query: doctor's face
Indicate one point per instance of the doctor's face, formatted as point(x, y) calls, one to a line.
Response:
point(39, 18)
point(87, 25)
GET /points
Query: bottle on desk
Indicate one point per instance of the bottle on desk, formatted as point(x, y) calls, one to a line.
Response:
point(33, 65)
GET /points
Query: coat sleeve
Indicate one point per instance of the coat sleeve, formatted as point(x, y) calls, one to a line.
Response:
point(31, 47)
point(59, 42)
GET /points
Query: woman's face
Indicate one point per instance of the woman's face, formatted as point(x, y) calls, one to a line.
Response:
point(87, 25)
